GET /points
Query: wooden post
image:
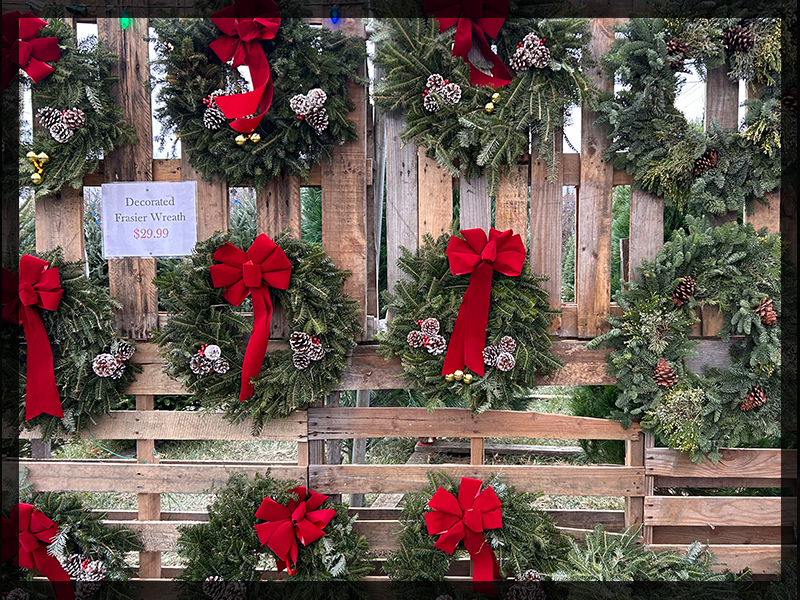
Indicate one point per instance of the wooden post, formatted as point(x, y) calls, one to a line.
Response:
point(722, 104)
point(634, 457)
point(475, 204)
point(213, 211)
point(278, 206)
point(435, 195)
point(333, 448)
point(149, 505)
point(761, 214)
point(511, 202)
point(649, 487)
point(359, 446)
point(646, 231)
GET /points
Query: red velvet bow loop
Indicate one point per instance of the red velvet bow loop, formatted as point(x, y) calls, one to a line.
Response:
point(252, 273)
point(23, 50)
point(466, 519)
point(474, 20)
point(36, 287)
point(299, 520)
point(479, 257)
point(25, 538)
point(244, 24)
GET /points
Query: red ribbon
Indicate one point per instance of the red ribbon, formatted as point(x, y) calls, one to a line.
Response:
point(474, 20)
point(36, 287)
point(23, 50)
point(244, 24)
point(504, 252)
point(28, 546)
point(252, 273)
point(466, 519)
point(285, 525)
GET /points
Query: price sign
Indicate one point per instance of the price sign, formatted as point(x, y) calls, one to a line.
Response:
point(152, 218)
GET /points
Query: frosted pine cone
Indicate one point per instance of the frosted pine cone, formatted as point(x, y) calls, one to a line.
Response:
point(416, 339)
point(122, 350)
point(525, 591)
point(521, 60)
point(300, 105)
point(18, 594)
point(104, 365)
point(435, 82)
point(84, 589)
point(451, 93)
point(429, 326)
point(430, 103)
point(664, 375)
point(683, 291)
point(214, 586)
point(48, 116)
point(236, 591)
point(317, 118)
point(436, 344)
point(316, 351)
point(531, 575)
point(300, 342)
point(507, 344)
point(60, 132)
point(490, 354)
point(505, 361)
point(540, 57)
point(74, 118)
point(73, 564)
point(213, 117)
point(300, 360)
point(220, 366)
point(119, 371)
point(767, 313)
point(316, 98)
point(212, 352)
point(756, 396)
point(200, 365)
point(94, 571)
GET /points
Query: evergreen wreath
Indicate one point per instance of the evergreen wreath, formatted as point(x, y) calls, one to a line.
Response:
point(519, 311)
point(81, 335)
point(486, 129)
point(313, 305)
point(709, 172)
point(301, 59)
point(227, 547)
point(737, 270)
point(80, 120)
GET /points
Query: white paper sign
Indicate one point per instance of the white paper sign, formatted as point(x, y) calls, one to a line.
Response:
point(149, 218)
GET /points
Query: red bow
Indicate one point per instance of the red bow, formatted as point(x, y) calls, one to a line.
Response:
point(474, 20)
point(36, 287)
point(244, 24)
point(28, 547)
point(465, 519)
point(298, 520)
point(505, 253)
point(252, 273)
point(23, 50)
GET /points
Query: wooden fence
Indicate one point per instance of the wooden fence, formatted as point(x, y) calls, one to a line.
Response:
point(744, 531)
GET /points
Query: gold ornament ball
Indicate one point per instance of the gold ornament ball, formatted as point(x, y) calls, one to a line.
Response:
point(36, 178)
point(496, 97)
point(31, 156)
point(43, 158)
point(240, 139)
point(468, 378)
point(255, 138)
point(449, 378)
point(489, 108)
point(459, 375)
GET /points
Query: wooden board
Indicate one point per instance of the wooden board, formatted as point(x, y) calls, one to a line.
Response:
point(646, 230)
point(278, 206)
point(213, 211)
point(378, 422)
point(435, 197)
point(730, 511)
point(758, 463)
point(557, 480)
point(475, 206)
point(722, 104)
point(760, 559)
point(59, 222)
point(511, 202)
point(718, 482)
point(668, 534)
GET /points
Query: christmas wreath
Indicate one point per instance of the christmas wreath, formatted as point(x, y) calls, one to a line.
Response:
point(56, 535)
point(737, 270)
point(459, 99)
point(207, 296)
point(257, 524)
point(76, 368)
point(481, 293)
point(713, 171)
point(299, 76)
point(492, 523)
point(72, 102)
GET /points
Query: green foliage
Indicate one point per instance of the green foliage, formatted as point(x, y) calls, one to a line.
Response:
point(534, 103)
point(734, 268)
point(300, 57)
point(598, 401)
point(519, 308)
point(82, 79)
point(314, 304)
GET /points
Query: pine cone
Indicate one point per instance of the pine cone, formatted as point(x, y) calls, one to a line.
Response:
point(104, 365)
point(507, 344)
point(18, 594)
point(318, 119)
point(220, 365)
point(683, 291)
point(236, 590)
point(490, 354)
point(756, 396)
point(737, 39)
point(526, 591)
point(451, 93)
point(73, 564)
point(444, 597)
point(705, 162)
point(430, 103)
point(540, 57)
point(416, 339)
point(214, 586)
point(84, 589)
point(300, 105)
point(94, 571)
point(301, 360)
point(48, 116)
point(200, 365)
point(435, 82)
point(60, 132)
point(505, 361)
point(664, 375)
point(521, 60)
point(429, 326)
point(766, 311)
point(74, 118)
point(531, 575)
point(300, 342)
point(316, 351)
point(677, 50)
point(119, 371)
point(316, 98)
point(122, 350)
point(213, 117)
point(436, 344)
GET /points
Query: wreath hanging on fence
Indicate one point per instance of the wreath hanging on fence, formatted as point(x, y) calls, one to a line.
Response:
point(463, 104)
point(72, 103)
point(731, 267)
point(714, 171)
point(207, 296)
point(300, 101)
point(76, 369)
point(487, 362)
point(258, 524)
point(54, 534)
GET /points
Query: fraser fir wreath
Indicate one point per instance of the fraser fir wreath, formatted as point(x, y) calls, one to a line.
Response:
point(474, 127)
point(204, 327)
point(77, 114)
point(228, 548)
point(308, 115)
point(91, 366)
point(708, 172)
point(731, 267)
point(424, 307)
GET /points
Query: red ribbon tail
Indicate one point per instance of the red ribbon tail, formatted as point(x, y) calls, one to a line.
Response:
point(41, 395)
point(257, 346)
point(485, 567)
point(469, 333)
point(52, 569)
point(500, 74)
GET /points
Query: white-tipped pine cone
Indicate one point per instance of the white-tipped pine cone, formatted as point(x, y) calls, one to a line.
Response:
point(540, 57)
point(74, 118)
point(119, 371)
point(318, 119)
point(73, 564)
point(84, 588)
point(18, 594)
point(300, 105)
point(416, 339)
point(507, 344)
point(429, 326)
point(236, 591)
point(316, 352)
point(435, 82)
point(214, 586)
point(300, 342)
point(200, 365)
point(490, 354)
point(430, 103)
point(60, 132)
point(94, 571)
point(451, 93)
point(221, 366)
point(301, 360)
point(104, 365)
point(48, 116)
point(505, 361)
point(122, 350)
point(316, 98)
point(212, 352)
point(213, 117)
point(436, 344)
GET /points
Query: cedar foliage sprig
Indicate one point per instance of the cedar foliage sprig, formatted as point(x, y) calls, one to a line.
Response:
point(314, 304)
point(83, 75)
point(519, 308)
point(734, 268)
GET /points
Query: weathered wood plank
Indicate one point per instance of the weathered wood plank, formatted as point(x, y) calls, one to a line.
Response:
point(722, 535)
point(763, 463)
point(148, 505)
point(213, 211)
point(475, 206)
point(448, 447)
point(399, 479)
point(646, 230)
point(634, 457)
point(435, 197)
point(760, 559)
point(59, 222)
point(717, 482)
point(731, 511)
point(156, 536)
point(722, 104)
point(278, 206)
point(511, 202)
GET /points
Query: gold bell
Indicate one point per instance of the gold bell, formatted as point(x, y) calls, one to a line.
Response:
point(459, 375)
point(31, 156)
point(468, 378)
point(255, 138)
point(36, 178)
point(489, 108)
point(240, 139)
point(496, 97)
point(449, 378)
point(43, 158)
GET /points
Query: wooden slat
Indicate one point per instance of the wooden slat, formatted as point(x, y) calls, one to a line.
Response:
point(475, 206)
point(717, 482)
point(731, 511)
point(278, 206)
point(435, 193)
point(148, 505)
point(581, 365)
point(380, 422)
point(511, 202)
point(760, 559)
point(758, 463)
point(722, 104)
point(59, 222)
point(723, 535)
point(646, 231)
point(213, 211)
point(399, 479)
point(156, 536)
point(634, 457)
